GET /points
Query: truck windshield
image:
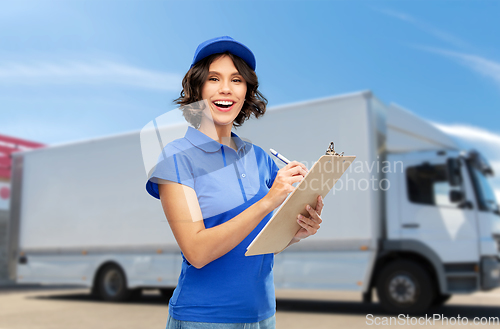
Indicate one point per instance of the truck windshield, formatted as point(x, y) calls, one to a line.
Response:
point(485, 195)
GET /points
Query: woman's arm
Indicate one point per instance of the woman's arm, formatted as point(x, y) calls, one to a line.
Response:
point(200, 245)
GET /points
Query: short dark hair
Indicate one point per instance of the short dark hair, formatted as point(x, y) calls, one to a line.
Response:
point(194, 79)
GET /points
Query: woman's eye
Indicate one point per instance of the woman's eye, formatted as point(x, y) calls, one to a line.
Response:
point(216, 79)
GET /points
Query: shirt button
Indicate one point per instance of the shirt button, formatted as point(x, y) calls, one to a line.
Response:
point(243, 175)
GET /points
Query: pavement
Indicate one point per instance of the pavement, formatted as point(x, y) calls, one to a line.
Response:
point(76, 309)
point(10, 285)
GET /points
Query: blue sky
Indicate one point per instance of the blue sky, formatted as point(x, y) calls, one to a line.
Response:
point(71, 70)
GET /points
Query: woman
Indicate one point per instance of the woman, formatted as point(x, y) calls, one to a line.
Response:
point(218, 192)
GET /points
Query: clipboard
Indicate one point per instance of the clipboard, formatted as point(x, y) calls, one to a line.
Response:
point(283, 226)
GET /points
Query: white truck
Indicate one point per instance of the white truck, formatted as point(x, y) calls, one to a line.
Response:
point(414, 217)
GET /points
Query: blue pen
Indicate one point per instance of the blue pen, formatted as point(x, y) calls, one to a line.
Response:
point(279, 156)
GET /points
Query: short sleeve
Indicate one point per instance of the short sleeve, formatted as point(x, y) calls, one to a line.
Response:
point(273, 170)
point(173, 165)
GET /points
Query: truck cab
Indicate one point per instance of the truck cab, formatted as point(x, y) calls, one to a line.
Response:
point(442, 217)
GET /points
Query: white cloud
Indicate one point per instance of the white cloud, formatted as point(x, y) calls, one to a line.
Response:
point(46, 130)
point(485, 67)
point(478, 64)
point(442, 35)
point(471, 133)
point(94, 73)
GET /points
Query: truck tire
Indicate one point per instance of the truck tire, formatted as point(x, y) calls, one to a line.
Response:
point(112, 285)
point(405, 287)
point(166, 293)
point(440, 299)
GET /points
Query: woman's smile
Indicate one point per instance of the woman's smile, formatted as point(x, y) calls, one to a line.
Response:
point(224, 105)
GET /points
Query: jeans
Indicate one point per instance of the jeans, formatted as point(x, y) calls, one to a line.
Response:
point(269, 323)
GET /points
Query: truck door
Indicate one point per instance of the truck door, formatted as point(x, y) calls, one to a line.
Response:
point(488, 214)
point(428, 215)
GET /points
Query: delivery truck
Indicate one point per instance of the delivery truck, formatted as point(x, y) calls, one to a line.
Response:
point(414, 217)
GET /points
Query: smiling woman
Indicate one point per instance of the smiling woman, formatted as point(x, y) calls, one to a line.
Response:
point(199, 75)
point(218, 192)
point(225, 92)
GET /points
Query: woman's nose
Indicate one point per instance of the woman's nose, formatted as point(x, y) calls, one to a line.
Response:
point(224, 88)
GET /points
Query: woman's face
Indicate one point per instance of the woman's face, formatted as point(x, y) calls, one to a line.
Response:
point(224, 90)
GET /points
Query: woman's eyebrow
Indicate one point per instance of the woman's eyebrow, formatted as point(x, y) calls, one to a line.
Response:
point(215, 72)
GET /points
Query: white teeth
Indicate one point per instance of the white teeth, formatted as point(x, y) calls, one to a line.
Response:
point(223, 102)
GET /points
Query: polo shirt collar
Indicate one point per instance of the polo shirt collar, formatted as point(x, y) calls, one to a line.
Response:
point(207, 144)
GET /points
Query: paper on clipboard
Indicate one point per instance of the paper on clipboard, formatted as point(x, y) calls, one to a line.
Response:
point(283, 226)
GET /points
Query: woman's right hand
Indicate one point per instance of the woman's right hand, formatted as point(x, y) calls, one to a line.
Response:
point(292, 173)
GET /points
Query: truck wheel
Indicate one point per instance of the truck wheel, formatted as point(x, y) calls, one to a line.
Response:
point(112, 285)
point(441, 299)
point(166, 293)
point(405, 287)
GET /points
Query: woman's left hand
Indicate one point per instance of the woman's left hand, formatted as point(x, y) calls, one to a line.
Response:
point(310, 225)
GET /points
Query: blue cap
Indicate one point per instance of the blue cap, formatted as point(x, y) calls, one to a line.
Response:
point(220, 45)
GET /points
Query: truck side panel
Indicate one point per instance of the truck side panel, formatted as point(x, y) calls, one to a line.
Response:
point(89, 194)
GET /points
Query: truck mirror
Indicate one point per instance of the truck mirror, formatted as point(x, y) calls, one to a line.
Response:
point(456, 196)
point(454, 177)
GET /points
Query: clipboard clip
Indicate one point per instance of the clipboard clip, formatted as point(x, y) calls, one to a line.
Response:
point(331, 150)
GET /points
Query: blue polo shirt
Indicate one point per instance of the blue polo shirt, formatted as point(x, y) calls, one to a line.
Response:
point(232, 288)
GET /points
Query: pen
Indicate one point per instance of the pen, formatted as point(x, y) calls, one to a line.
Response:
point(279, 156)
